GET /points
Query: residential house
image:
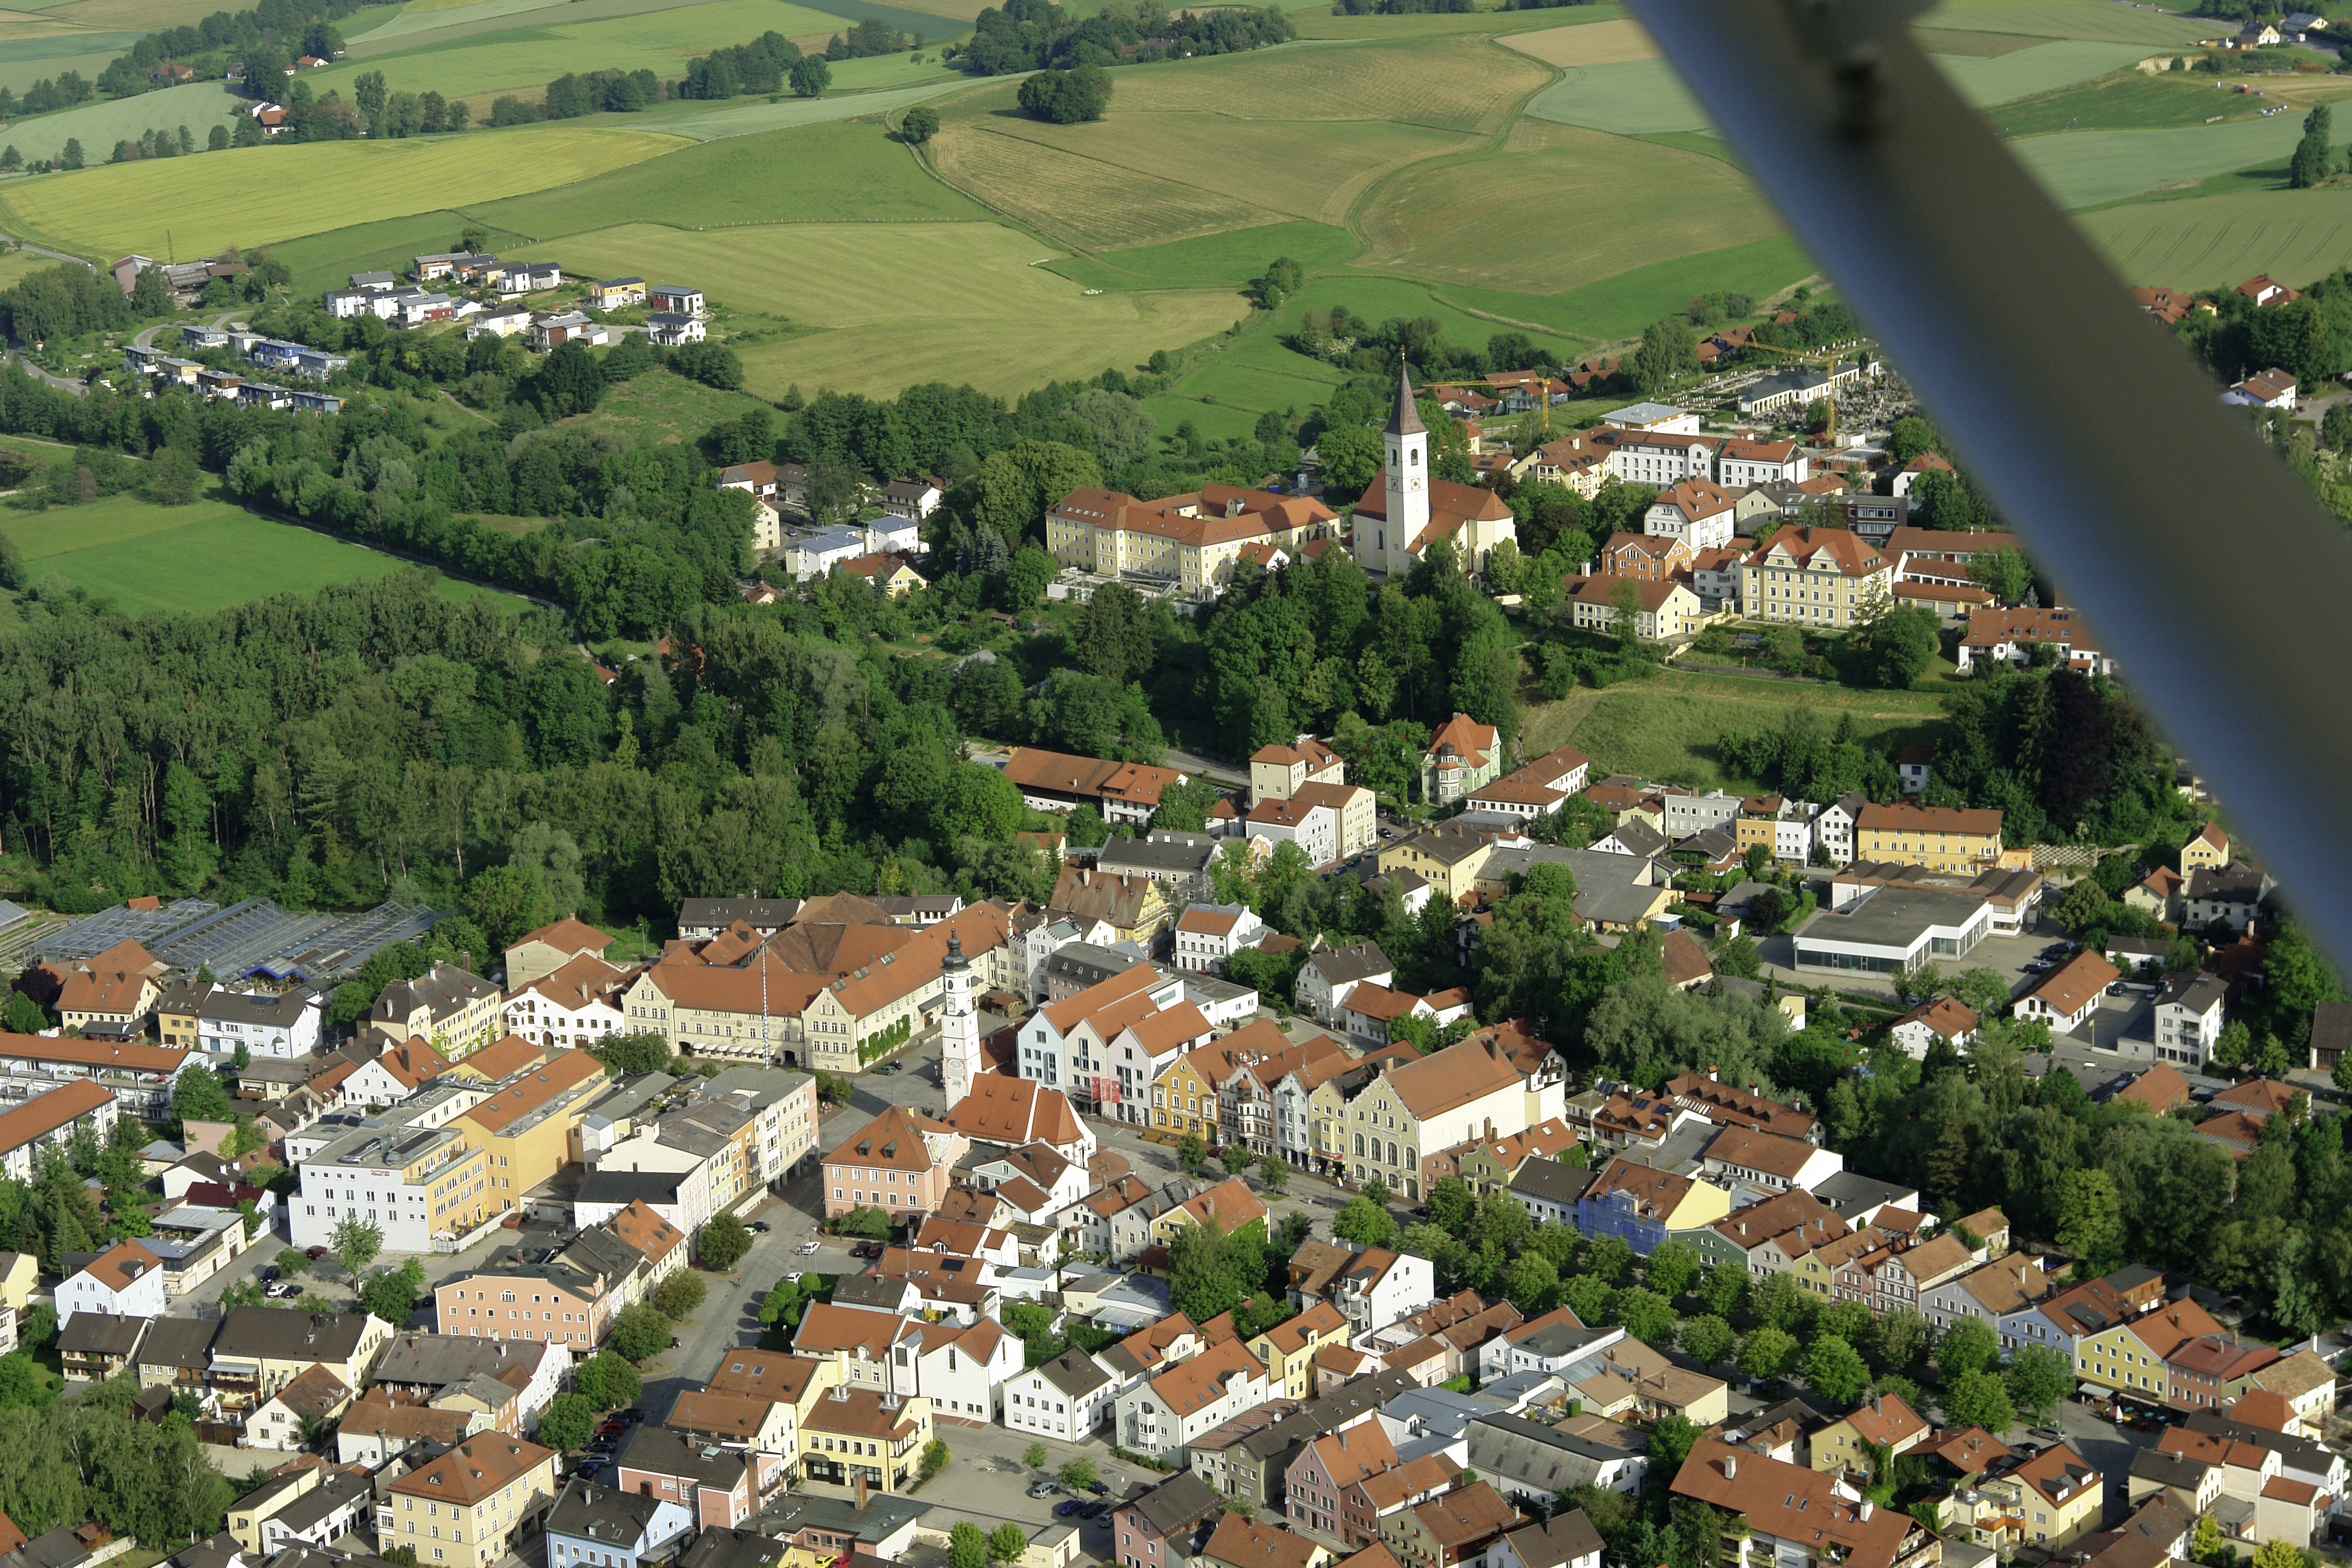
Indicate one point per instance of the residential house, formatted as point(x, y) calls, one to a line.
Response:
point(1662, 610)
point(109, 994)
point(2049, 1499)
point(492, 1488)
point(2231, 896)
point(1065, 1398)
point(1330, 973)
point(1823, 577)
point(1209, 934)
point(457, 1011)
point(1945, 1019)
point(713, 1481)
point(1798, 1514)
point(1536, 788)
point(538, 953)
point(1165, 1527)
point(898, 1162)
point(284, 1026)
point(296, 1414)
point(1161, 1415)
point(855, 1435)
point(2012, 636)
point(1191, 543)
point(1740, 1156)
point(1695, 513)
point(593, 1526)
point(1460, 758)
point(1941, 838)
point(1452, 1530)
point(2067, 996)
point(1242, 1541)
point(126, 1280)
point(1848, 1445)
point(1434, 1103)
point(2189, 1016)
point(1644, 1206)
point(1122, 792)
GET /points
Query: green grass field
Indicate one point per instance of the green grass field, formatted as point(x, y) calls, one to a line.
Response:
point(2126, 101)
point(260, 194)
point(1464, 220)
point(905, 303)
point(659, 407)
point(1228, 259)
point(836, 173)
point(2295, 236)
point(323, 261)
point(2084, 168)
point(1319, 23)
point(100, 125)
point(2096, 19)
point(194, 558)
point(530, 57)
point(1629, 98)
point(1667, 729)
point(1999, 79)
point(1448, 84)
point(751, 116)
point(15, 264)
point(1620, 306)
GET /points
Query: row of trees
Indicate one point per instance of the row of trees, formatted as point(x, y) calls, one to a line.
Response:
point(1032, 34)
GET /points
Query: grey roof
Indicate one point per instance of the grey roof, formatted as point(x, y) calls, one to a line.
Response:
point(101, 1333)
point(1090, 963)
point(587, 1511)
point(1537, 1457)
point(1709, 842)
point(178, 1342)
point(1620, 903)
point(870, 1290)
point(57, 1549)
point(1849, 1193)
point(1073, 1371)
point(730, 1548)
point(1175, 1505)
point(339, 1491)
point(2236, 883)
point(1892, 917)
point(756, 912)
point(1404, 419)
point(1349, 1403)
point(277, 1336)
point(625, 1187)
point(2298, 1453)
point(2168, 1470)
point(1360, 960)
point(281, 1012)
point(670, 1453)
point(1555, 1542)
point(2196, 992)
point(1185, 853)
point(1639, 837)
point(436, 1360)
point(10, 914)
point(633, 1096)
point(1448, 844)
point(1552, 1181)
point(1436, 1411)
point(792, 1513)
point(445, 991)
point(1555, 1340)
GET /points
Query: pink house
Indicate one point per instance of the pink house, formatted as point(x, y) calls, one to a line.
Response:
point(710, 1481)
point(899, 1161)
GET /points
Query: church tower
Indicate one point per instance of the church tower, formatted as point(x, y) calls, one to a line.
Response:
point(1405, 447)
point(959, 1025)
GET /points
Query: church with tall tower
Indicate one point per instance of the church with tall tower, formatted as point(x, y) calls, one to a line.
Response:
point(1406, 506)
point(959, 1025)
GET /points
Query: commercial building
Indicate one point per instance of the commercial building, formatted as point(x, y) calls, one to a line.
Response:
point(1892, 929)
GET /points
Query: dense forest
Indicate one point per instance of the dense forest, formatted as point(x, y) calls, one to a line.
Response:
point(1031, 34)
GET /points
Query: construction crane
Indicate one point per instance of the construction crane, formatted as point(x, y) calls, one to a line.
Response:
point(1828, 363)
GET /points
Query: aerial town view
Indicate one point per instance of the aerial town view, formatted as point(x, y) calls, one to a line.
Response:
point(1126, 784)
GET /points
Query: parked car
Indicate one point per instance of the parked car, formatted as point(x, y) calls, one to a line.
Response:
point(1067, 1509)
point(866, 1249)
point(1100, 1489)
point(1093, 1510)
point(807, 1247)
point(1043, 1489)
point(316, 1253)
point(285, 1292)
point(632, 1414)
point(269, 1272)
point(593, 1467)
point(760, 1226)
point(2038, 966)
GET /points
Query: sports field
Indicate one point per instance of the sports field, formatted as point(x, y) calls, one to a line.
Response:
point(257, 194)
point(905, 302)
point(2204, 241)
point(2103, 20)
point(1465, 220)
point(194, 558)
point(102, 123)
point(2084, 168)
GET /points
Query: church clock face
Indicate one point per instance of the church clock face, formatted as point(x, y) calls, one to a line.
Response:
point(1416, 481)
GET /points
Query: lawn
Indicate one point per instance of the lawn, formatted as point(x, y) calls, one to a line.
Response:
point(529, 56)
point(2126, 101)
point(99, 125)
point(2099, 20)
point(15, 264)
point(2084, 168)
point(2000, 78)
point(1667, 729)
point(837, 173)
point(193, 558)
point(1465, 220)
point(955, 302)
point(1629, 98)
point(259, 194)
point(2204, 241)
point(1224, 260)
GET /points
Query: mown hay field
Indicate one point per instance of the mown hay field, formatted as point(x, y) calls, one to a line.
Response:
point(1594, 44)
point(2084, 168)
point(836, 173)
point(1452, 84)
point(100, 124)
point(1313, 169)
point(906, 304)
point(530, 57)
point(258, 194)
point(192, 559)
point(2200, 242)
point(1464, 220)
point(1631, 97)
point(2126, 101)
point(1082, 201)
point(2099, 20)
point(752, 115)
point(19, 74)
point(2046, 68)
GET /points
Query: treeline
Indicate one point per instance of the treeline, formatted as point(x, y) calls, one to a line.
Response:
point(1398, 7)
point(264, 40)
point(1031, 34)
point(1067, 97)
point(64, 301)
point(1339, 336)
point(403, 114)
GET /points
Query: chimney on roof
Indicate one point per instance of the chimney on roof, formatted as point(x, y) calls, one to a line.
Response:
point(1730, 1466)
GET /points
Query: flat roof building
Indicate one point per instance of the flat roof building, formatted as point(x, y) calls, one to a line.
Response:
point(1892, 929)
